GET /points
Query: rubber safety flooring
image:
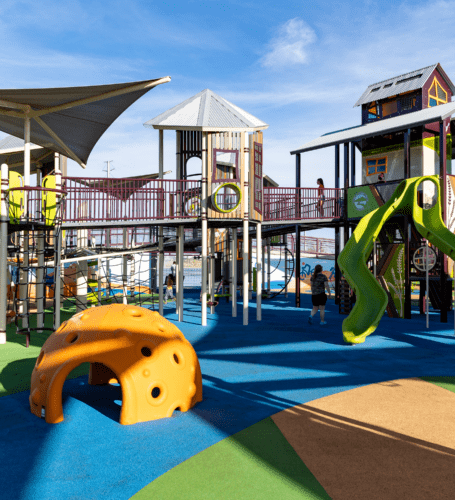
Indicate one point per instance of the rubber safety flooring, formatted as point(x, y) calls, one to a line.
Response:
point(289, 411)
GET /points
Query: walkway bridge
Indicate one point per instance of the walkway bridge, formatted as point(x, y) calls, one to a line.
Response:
point(100, 202)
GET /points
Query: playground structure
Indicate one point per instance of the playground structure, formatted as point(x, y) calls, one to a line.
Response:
point(155, 365)
point(231, 202)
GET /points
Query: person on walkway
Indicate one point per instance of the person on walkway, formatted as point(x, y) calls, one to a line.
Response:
point(319, 283)
point(169, 289)
point(321, 197)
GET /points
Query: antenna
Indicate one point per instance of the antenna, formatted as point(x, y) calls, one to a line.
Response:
point(108, 168)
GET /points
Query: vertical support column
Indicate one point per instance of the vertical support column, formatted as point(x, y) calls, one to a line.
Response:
point(442, 184)
point(234, 272)
point(204, 230)
point(268, 265)
point(297, 232)
point(246, 230)
point(125, 268)
point(212, 270)
point(39, 285)
point(346, 186)
point(81, 286)
point(57, 248)
point(407, 230)
point(181, 241)
point(258, 271)
point(99, 281)
point(352, 164)
point(3, 251)
point(337, 228)
point(160, 229)
point(285, 244)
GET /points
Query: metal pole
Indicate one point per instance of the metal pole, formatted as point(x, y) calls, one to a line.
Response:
point(246, 231)
point(212, 270)
point(427, 285)
point(204, 230)
point(3, 251)
point(99, 281)
point(234, 272)
point(285, 244)
point(442, 173)
point(268, 265)
point(297, 230)
point(180, 271)
point(57, 249)
point(160, 230)
point(125, 268)
point(258, 271)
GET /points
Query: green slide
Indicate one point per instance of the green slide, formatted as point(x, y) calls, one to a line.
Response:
point(371, 297)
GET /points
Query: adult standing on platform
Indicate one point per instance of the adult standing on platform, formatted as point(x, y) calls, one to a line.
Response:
point(319, 281)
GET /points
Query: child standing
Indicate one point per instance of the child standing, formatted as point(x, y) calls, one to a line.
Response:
point(169, 289)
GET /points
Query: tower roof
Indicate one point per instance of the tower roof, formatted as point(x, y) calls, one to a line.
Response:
point(402, 83)
point(208, 112)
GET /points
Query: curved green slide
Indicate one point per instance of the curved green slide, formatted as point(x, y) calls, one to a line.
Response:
point(371, 297)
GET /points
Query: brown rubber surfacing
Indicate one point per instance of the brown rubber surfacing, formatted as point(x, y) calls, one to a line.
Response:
point(390, 440)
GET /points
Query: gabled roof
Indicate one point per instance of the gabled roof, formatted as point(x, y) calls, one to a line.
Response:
point(208, 112)
point(402, 83)
point(381, 127)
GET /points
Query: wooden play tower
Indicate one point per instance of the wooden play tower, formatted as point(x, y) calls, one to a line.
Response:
point(229, 142)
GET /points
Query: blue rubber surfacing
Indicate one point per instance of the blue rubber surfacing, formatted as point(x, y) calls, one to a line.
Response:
point(249, 373)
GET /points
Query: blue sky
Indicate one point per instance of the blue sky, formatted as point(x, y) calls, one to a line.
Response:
point(298, 66)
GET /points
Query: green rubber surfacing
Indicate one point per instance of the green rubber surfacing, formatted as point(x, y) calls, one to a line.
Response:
point(257, 463)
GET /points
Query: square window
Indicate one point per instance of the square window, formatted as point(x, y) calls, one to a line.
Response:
point(371, 170)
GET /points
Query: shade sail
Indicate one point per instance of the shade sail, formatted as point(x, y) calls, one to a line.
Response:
point(118, 187)
point(69, 120)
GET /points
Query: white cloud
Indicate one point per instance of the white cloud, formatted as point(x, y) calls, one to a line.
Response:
point(289, 47)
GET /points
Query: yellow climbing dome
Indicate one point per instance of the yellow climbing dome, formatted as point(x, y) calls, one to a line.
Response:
point(156, 366)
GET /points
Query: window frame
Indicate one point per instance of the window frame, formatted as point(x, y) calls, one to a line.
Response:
point(435, 97)
point(376, 165)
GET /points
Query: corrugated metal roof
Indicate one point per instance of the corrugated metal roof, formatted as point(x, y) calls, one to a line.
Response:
point(409, 120)
point(206, 111)
point(11, 143)
point(402, 83)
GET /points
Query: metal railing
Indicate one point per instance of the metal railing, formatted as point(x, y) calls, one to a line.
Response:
point(106, 200)
point(302, 203)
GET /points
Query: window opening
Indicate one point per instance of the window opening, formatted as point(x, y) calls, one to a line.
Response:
point(377, 166)
point(436, 94)
point(373, 111)
point(415, 77)
point(225, 165)
point(389, 108)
